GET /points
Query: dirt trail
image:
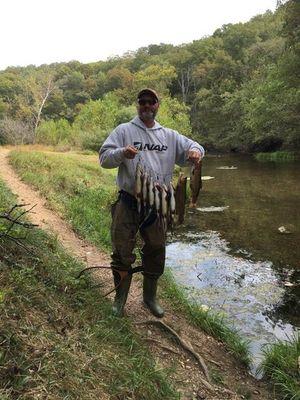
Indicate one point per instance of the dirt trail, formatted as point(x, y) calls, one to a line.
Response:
point(187, 378)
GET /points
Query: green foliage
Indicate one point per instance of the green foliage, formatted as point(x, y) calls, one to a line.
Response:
point(95, 121)
point(99, 113)
point(54, 132)
point(174, 115)
point(158, 77)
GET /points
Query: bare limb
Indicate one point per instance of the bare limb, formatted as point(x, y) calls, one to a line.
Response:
point(15, 220)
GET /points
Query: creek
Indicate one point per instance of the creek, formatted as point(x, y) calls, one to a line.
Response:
point(238, 252)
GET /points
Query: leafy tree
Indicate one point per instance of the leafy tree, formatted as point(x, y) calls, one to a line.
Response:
point(175, 115)
point(155, 76)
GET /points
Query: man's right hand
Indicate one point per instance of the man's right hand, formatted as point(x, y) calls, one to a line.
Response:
point(130, 152)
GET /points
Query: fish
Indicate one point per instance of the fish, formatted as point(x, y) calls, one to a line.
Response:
point(195, 183)
point(138, 185)
point(157, 198)
point(151, 192)
point(180, 198)
point(164, 203)
point(145, 189)
point(172, 205)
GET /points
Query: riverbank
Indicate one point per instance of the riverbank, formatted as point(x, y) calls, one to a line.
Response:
point(75, 186)
point(72, 187)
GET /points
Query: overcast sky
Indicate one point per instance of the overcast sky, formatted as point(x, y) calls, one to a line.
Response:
point(44, 31)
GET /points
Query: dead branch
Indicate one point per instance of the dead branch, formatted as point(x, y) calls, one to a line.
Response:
point(15, 220)
point(8, 215)
point(187, 346)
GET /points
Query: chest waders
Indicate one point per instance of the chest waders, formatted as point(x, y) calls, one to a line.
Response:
point(125, 226)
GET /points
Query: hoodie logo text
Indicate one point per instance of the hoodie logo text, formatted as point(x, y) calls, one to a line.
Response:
point(151, 147)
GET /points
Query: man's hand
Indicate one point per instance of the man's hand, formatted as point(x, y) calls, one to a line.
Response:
point(130, 152)
point(194, 156)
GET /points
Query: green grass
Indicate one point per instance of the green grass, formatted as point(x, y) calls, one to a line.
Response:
point(76, 186)
point(277, 156)
point(281, 365)
point(58, 339)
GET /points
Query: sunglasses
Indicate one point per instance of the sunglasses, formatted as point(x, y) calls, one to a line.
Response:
point(143, 102)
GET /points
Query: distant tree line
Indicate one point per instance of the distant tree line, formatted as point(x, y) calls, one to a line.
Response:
point(237, 90)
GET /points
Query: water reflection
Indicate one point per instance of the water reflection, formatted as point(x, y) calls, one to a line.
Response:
point(236, 260)
point(244, 290)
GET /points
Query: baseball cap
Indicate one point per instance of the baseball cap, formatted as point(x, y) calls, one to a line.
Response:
point(149, 92)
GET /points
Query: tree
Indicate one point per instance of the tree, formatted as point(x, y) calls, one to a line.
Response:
point(158, 77)
point(175, 115)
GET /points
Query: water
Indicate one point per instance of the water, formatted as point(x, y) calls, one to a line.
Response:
point(230, 254)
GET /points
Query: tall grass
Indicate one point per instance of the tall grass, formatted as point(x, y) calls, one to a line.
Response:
point(282, 365)
point(58, 339)
point(75, 186)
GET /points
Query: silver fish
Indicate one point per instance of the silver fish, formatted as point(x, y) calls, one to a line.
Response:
point(138, 184)
point(151, 192)
point(172, 199)
point(164, 201)
point(157, 198)
point(145, 188)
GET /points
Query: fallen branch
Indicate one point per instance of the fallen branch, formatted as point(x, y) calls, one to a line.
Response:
point(186, 346)
point(15, 220)
point(7, 215)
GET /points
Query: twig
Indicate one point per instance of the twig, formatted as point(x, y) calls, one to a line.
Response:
point(15, 220)
point(186, 346)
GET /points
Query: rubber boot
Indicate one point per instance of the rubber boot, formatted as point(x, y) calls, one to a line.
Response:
point(121, 294)
point(149, 295)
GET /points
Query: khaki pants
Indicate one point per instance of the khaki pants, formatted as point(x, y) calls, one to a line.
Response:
point(125, 226)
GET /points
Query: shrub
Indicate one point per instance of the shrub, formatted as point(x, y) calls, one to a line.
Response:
point(15, 132)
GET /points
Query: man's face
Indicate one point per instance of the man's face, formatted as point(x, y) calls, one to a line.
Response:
point(147, 107)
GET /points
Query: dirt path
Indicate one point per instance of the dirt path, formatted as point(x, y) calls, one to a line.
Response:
point(187, 378)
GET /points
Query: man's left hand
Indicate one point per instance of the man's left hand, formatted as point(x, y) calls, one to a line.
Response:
point(194, 156)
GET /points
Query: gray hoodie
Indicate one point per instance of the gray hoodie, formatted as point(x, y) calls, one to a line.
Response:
point(159, 150)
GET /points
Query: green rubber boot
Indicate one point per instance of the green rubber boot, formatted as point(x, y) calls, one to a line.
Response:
point(121, 294)
point(149, 295)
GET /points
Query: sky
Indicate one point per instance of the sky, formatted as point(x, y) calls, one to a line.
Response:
point(45, 31)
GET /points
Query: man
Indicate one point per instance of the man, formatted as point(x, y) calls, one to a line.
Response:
point(159, 148)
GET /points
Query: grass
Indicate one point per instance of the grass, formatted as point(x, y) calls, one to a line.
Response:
point(281, 365)
point(77, 187)
point(58, 339)
point(277, 156)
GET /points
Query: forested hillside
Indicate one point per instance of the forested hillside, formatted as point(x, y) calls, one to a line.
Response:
point(237, 90)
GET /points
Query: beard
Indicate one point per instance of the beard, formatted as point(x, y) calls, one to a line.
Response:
point(147, 115)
